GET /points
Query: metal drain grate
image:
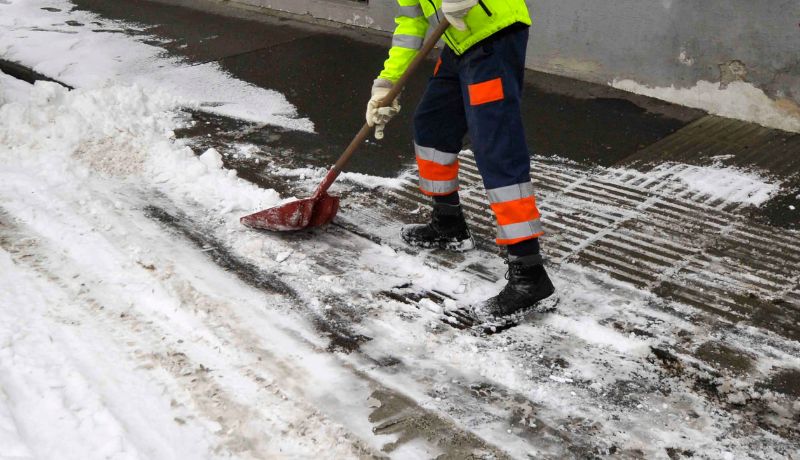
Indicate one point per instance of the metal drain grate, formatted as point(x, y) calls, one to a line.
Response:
point(656, 235)
point(742, 143)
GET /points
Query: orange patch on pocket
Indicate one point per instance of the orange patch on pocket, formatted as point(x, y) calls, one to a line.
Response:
point(486, 92)
point(436, 69)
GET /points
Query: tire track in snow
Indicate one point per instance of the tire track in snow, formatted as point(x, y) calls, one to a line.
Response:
point(214, 399)
point(59, 405)
point(173, 350)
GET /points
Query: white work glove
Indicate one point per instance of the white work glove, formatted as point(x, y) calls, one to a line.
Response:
point(378, 116)
point(456, 10)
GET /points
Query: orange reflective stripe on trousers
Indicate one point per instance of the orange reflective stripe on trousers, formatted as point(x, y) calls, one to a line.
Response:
point(438, 171)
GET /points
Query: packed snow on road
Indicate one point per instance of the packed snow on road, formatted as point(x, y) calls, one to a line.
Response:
point(140, 320)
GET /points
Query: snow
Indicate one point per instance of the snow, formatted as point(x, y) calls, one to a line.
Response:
point(739, 100)
point(134, 340)
point(729, 184)
point(317, 174)
point(49, 373)
point(120, 131)
point(590, 331)
point(11, 89)
point(90, 56)
point(104, 335)
point(141, 346)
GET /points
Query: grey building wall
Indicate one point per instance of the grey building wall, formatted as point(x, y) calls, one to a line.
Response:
point(654, 42)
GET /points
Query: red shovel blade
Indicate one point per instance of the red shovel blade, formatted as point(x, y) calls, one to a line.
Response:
point(325, 210)
point(296, 215)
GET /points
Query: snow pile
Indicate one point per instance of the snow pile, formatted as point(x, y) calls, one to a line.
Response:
point(89, 54)
point(118, 131)
point(739, 100)
point(108, 321)
point(11, 89)
point(729, 184)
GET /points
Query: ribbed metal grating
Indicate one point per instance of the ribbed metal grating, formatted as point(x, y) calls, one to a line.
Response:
point(744, 144)
point(654, 234)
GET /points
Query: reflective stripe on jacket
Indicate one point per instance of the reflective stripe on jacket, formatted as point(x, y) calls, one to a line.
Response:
point(414, 17)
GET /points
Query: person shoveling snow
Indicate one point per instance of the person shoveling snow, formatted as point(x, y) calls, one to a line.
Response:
point(476, 88)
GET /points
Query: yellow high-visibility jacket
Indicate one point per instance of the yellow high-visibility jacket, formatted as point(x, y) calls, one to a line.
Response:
point(414, 17)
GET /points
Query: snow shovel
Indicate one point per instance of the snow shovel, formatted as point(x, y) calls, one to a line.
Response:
point(321, 208)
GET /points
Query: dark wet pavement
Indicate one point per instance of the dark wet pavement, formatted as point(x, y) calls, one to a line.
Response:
point(327, 74)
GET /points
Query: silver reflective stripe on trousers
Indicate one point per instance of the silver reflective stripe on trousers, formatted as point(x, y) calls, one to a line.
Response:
point(510, 193)
point(409, 11)
point(438, 186)
point(436, 156)
point(407, 41)
point(520, 230)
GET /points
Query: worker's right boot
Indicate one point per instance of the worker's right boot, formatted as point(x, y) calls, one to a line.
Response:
point(447, 230)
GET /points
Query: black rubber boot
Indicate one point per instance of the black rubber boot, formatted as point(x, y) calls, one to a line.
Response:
point(528, 284)
point(447, 230)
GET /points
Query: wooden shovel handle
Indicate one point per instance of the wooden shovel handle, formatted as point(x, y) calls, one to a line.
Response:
point(427, 47)
point(362, 135)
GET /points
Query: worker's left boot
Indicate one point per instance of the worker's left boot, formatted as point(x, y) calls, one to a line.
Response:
point(446, 230)
point(528, 285)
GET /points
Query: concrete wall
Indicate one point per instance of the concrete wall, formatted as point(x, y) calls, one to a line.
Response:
point(654, 42)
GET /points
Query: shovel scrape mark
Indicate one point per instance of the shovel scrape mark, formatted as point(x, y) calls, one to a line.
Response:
point(247, 272)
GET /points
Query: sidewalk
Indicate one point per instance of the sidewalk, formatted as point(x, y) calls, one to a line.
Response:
point(642, 226)
point(675, 261)
point(327, 72)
